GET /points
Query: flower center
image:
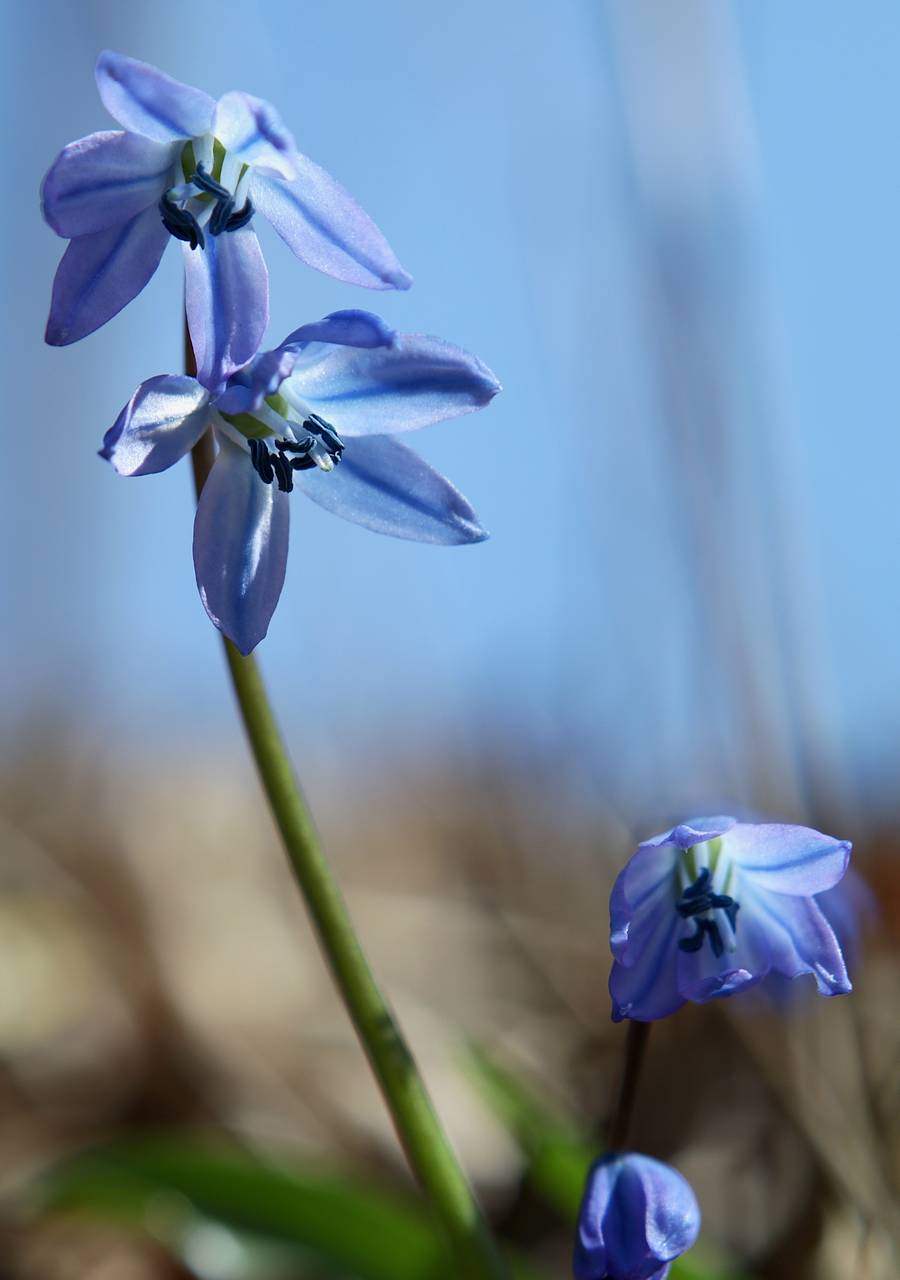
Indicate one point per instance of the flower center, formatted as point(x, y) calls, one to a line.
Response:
point(713, 914)
point(319, 446)
point(211, 195)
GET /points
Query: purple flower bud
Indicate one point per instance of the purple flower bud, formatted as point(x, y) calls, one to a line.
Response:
point(637, 1215)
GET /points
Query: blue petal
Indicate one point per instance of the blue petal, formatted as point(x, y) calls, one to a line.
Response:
point(326, 228)
point(703, 976)
point(251, 129)
point(262, 377)
point(240, 547)
point(384, 486)
point(637, 1215)
point(647, 987)
point(787, 859)
point(414, 382)
point(798, 939)
point(100, 274)
point(145, 100)
point(349, 328)
point(644, 886)
point(850, 908)
point(104, 179)
point(161, 422)
point(227, 303)
point(694, 831)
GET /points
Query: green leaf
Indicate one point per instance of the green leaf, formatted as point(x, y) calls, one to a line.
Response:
point(357, 1230)
point(346, 1227)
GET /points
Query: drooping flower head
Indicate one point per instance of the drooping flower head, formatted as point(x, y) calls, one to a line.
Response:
point(197, 170)
point(637, 1215)
point(319, 414)
point(712, 906)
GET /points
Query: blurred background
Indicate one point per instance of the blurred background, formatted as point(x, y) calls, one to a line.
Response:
point(671, 231)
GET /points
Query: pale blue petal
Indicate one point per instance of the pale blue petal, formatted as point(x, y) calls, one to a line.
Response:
point(384, 486)
point(647, 988)
point(694, 831)
point(349, 328)
point(326, 228)
point(264, 374)
point(161, 422)
point(240, 547)
point(145, 100)
point(787, 859)
point(703, 976)
point(262, 377)
point(251, 129)
point(799, 939)
point(381, 390)
point(644, 886)
point(637, 1215)
point(227, 303)
point(100, 274)
point(104, 179)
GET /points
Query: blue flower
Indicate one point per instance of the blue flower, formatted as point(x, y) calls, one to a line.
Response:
point(637, 1215)
point(196, 170)
point(715, 905)
point(319, 413)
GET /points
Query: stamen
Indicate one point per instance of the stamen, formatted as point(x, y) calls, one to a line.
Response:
point(262, 461)
point(220, 215)
point(697, 903)
point(282, 469)
point(325, 431)
point(322, 448)
point(242, 217)
point(219, 220)
point(206, 182)
point(180, 223)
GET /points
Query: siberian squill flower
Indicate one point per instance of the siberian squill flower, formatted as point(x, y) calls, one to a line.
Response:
point(197, 170)
point(637, 1215)
point(319, 413)
point(713, 906)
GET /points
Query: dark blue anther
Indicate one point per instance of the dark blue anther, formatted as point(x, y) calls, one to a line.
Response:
point(302, 461)
point(303, 464)
point(220, 215)
point(695, 941)
point(224, 217)
point(262, 461)
point(282, 469)
point(325, 431)
point(704, 928)
point(241, 218)
point(206, 182)
point(180, 223)
point(291, 455)
point(694, 903)
point(699, 885)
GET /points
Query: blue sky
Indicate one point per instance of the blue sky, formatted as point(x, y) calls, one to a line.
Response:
point(491, 145)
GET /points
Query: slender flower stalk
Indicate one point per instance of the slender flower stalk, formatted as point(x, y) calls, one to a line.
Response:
point(635, 1052)
point(427, 1148)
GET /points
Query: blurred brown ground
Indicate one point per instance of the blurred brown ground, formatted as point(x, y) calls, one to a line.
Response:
point(157, 972)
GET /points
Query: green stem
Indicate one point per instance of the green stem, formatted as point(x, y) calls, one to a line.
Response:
point(428, 1151)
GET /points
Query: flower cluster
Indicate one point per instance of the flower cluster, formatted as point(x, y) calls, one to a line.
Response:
point(320, 412)
point(705, 910)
